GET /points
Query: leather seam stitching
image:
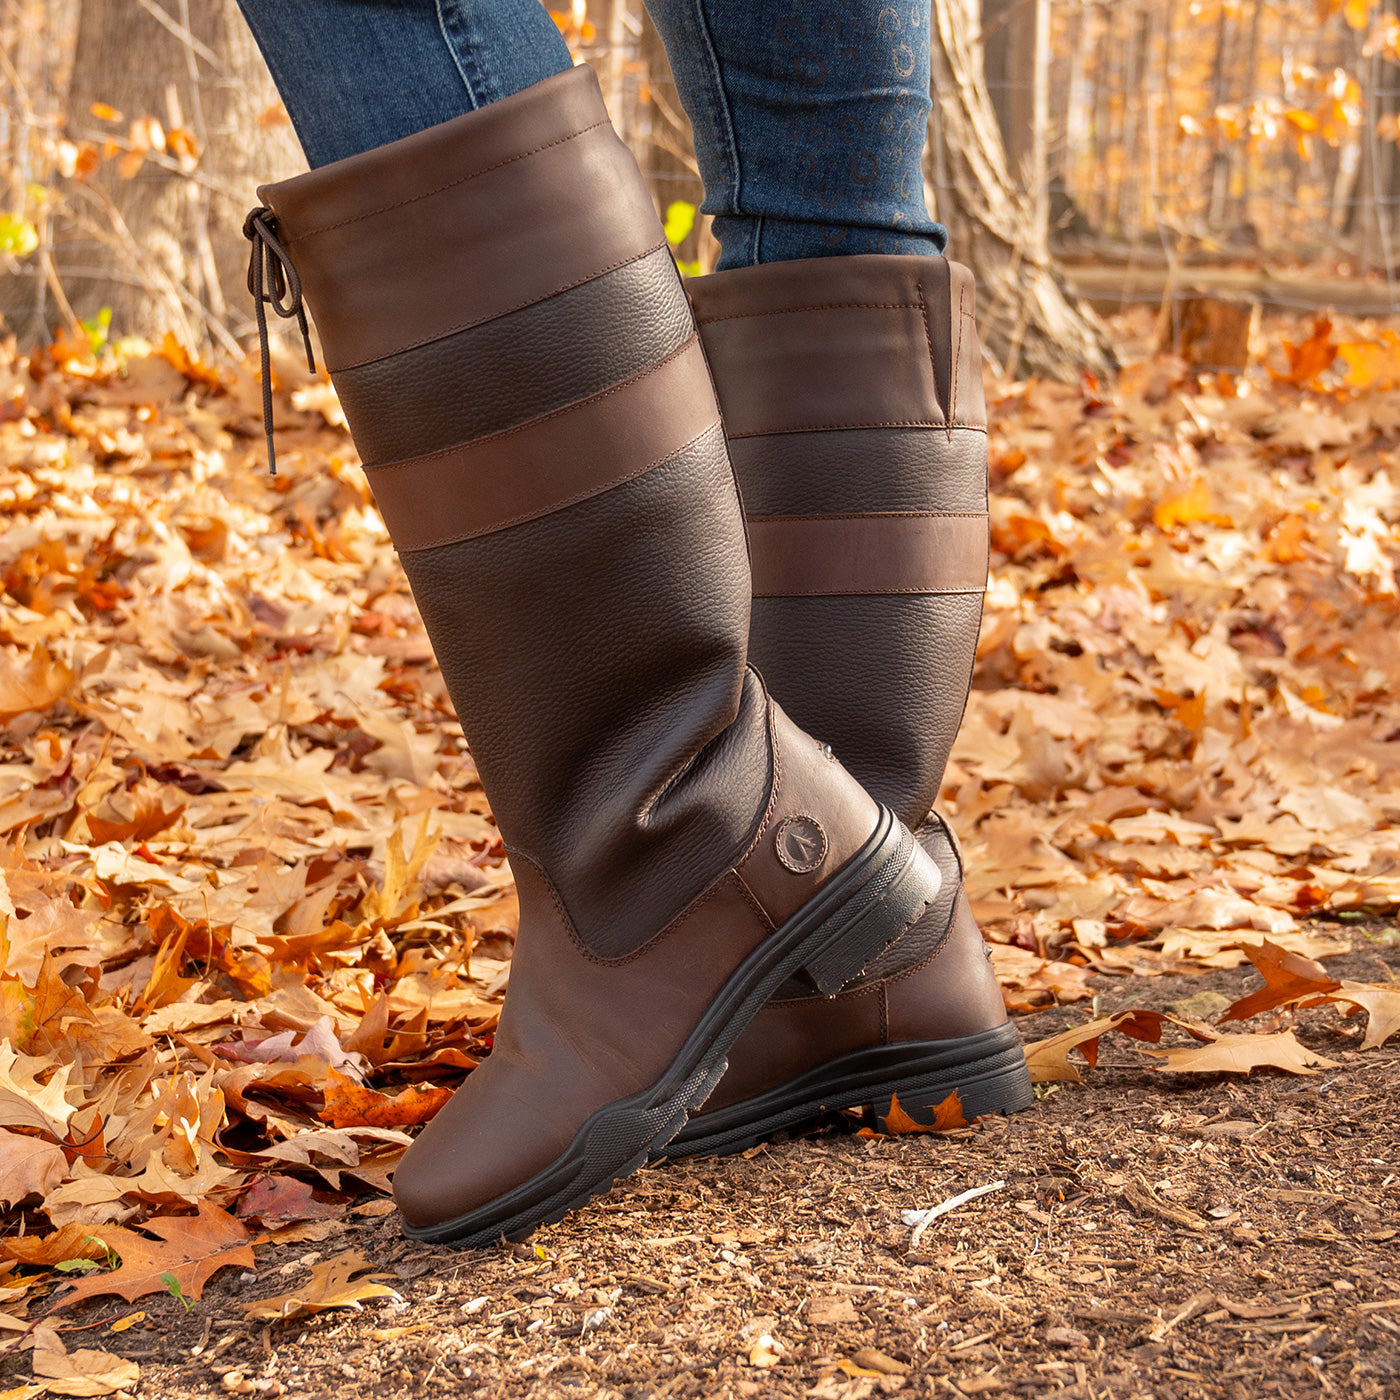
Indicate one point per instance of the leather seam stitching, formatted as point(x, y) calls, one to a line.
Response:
point(451, 184)
point(575, 499)
point(957, 358)
point(879, 593)
point(497, 315)
point(947, 409)
point(708, 893)
point(875, 515)
point(772, 795)
point(815, 306)
point(845, 427)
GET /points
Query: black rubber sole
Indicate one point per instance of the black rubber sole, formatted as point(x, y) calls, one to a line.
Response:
point(988, 1072)
point(880, 893)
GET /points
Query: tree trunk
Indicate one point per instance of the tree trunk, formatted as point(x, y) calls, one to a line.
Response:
point(1028, 323)
point(1008, 45)
point(163, 247)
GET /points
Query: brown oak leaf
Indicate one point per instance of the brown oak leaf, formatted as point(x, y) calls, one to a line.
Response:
point(191, 1247)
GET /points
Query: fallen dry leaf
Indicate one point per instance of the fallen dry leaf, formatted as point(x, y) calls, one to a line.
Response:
point(1242, 1054)
point(331, 1285)
point(945, 1117)
point(351, 1105)
point(35, 683)
point(192, 1248)
point(1288, 979)
point(71, 1242)
point(28, 1167)
point(1049, 1060)
point(83, 1372)
point(1381, 1004)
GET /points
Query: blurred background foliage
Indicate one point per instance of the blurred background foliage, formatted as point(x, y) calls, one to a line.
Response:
point(1082, 151)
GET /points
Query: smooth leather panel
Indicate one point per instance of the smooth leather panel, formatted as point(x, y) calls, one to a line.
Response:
point(519, 366)
point(952, 994)
point(380, 238)
point(852, 472)
point(551, 462)
point(575, 1034)
point(875, 383)
point(873, 340)
point(596, 660)
point(808, 783)
point(883, 680)
point(827, 555)
point(968, 395)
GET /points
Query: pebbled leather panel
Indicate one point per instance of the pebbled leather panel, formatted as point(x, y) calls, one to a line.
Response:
point(596, 659)
point(883, 680)
point(875, 341)
point(555, 1060)
point(383, 271)
point(832, 555)
point(520, 366)
point(807, 784)
point(551, 462)
point(855, 471)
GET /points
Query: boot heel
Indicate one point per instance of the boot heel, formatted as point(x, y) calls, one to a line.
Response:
point(888, 903)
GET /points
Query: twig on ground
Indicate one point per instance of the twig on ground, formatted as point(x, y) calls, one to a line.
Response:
point(924, 1218)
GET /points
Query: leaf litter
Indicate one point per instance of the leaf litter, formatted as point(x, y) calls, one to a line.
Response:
point(257, 918)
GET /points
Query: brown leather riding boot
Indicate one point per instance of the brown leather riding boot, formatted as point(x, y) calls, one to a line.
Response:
point(851, 389)
point(522, 376)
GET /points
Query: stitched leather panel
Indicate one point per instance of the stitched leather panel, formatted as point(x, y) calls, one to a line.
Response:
point(849, 473)
point(870, 341)
point(596, 657)
point(550, 462)
point(954, 994)
point(807, 784)
point(519, 366)
point(928, 997)
point(380, 238)
point(883, 680)
point(831, 555)
point(925, 938)
point(556, 1059)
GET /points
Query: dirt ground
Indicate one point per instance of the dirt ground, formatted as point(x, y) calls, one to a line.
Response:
point(1156, 1236)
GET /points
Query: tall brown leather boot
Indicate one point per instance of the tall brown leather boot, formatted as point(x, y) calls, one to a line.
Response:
point(523, 379)
point(851, 389)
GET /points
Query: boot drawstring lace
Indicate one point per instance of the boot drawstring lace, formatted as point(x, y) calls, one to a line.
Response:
point(272, 281)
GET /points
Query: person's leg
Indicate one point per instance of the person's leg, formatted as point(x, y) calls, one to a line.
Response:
point(355, 74)
point(851, 391)
point(809, 122)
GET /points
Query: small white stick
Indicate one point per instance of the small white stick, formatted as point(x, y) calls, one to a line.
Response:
point(927, 1217)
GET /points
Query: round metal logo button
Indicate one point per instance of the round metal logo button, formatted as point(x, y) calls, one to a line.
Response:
point(801, 844)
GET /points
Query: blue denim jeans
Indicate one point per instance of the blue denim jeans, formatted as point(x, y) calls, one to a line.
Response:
point(809, 115)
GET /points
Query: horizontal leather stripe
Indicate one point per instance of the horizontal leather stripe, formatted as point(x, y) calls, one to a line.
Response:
point(863, 471)
point(466, 221)
point(824, 555)
point(517, 367)
point(551, 462)
point(854, 342)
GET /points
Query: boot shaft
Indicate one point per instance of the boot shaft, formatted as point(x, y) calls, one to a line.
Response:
point(852, 394)
point(521, 373)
